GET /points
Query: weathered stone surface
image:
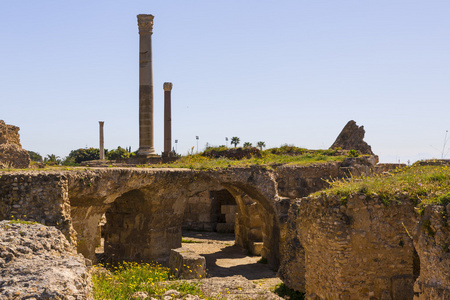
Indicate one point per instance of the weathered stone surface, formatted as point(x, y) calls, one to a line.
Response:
point(235, 287)
point(9, 134)
point(38, 261)
point(185, 263)
point(351, 138)
point(357, 248)
point(37, 196)
point(432, 241)
point(11, 153)
point(12, 156)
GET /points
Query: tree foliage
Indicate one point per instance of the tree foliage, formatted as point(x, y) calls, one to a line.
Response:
point(84, 154)
point(119, 153)
point(52, 159)
point(247, 145)
point(235, 141)
point(261, 145)
point(34, 156)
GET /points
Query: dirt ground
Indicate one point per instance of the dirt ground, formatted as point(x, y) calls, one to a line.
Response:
point(229, 269)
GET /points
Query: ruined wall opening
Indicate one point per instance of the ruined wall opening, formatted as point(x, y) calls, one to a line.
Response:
point(143, 225)
point(210, 210)
point(218, 211)
point(232, 235)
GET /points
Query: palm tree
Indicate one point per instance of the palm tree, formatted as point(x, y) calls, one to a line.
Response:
point(235, 141)
point(261, 145)
point(247, 145)
point(52, 159)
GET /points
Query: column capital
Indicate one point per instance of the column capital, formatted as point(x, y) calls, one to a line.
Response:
point(167, 86)
point(145, 23)
point(101, 122)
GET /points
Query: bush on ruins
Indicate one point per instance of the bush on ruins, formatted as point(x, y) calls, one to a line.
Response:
point(84, 154)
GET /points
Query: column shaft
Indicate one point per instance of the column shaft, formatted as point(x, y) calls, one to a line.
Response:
point(146, 147)
point(167, 118)
point(102, 141)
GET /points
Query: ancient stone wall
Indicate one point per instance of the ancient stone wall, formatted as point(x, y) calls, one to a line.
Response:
point(37, 196)
point(354, 248)
point(210, 210)
point(432, 241)
point(11, 153)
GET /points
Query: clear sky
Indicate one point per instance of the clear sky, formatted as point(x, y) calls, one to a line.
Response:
point(280, 71)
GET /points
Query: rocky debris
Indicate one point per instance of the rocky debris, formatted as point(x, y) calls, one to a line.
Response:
point(351, 138)
point(185, 263)
point(11, 153)
point(37, 262)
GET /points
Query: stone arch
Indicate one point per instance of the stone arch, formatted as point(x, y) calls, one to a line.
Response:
point(149, 205)
point(270, 226)
point(93, 192)
point(257, 185)
point(143, 225)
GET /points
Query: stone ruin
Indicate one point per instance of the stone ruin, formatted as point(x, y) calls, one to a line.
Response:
point(328, 249)
point(351, 138)
point(322, 246)
point(11, 153)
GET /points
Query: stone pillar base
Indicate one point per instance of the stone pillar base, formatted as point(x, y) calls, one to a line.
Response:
point(149, 152)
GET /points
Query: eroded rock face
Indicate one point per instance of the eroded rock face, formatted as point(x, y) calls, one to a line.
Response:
point(432, 241)
point(352, 248)
point(11, 153)
point(38, 261)
point(9, 134)
point(351, 138)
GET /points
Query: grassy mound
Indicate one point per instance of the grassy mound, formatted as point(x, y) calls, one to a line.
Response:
point(423, 184)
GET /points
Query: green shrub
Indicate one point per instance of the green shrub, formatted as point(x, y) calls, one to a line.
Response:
point(353, 153)
point(284, 292)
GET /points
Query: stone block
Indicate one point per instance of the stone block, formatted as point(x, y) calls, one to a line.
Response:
point(225, 227)
point(228, 209)
point(208, 227)
point(185, 263)
point(204, 218)
point(255, 234)
point(230, 218)
point(256, 248)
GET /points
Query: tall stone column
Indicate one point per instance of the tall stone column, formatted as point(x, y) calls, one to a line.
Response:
point(102, 141)
point(167, 118)
point(146, 147)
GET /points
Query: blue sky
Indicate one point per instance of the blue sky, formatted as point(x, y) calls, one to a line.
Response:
point(282, 71)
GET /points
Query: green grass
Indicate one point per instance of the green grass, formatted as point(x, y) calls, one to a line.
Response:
point(422, 184)
point(121, 281)
point(269, 158)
